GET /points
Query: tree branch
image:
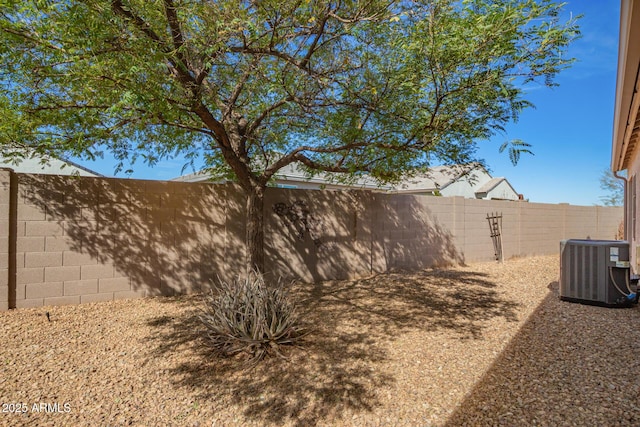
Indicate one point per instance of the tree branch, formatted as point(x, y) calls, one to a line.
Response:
point(174, 24)
point(181, 73)
point(265, 113)
point(276, 53)
point(239, 86)
point(118, 8)
point(314, 43)
point(165, 122)
point(31, 38)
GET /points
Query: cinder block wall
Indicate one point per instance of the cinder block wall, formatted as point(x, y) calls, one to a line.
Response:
point(97, 239)
point(419, 231)
point(7, 292)
point(71, 240)
point(318, 235)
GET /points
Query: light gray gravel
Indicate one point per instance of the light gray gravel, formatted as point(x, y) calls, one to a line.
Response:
point(485, 344)
point(569, 365)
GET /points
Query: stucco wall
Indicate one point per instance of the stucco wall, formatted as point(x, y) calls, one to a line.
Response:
point(466, 186)
point(632, 201)
point(70, 240)
point(502, 191)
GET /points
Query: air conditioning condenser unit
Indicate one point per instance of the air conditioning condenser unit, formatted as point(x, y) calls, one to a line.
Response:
point(596, 272)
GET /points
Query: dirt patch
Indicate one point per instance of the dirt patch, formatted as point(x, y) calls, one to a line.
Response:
point(485, 344)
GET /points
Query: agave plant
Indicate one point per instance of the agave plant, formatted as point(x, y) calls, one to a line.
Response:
point(246, 315)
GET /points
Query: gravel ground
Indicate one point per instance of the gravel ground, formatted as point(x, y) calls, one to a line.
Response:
point(485, 344)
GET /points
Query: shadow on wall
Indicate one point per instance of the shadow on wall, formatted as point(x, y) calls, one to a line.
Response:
point(570, 364)
point(407, 235)
point(165, 237)
point(322, 235)
point(343, 371)
point(161, 238)
point(317, 235)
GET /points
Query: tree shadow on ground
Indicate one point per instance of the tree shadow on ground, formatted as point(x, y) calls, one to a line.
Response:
point(570, 364)
point(344, 363)
point(453, 300)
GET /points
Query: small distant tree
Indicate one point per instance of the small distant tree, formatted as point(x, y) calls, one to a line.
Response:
point(614, 188)
point(251, 86)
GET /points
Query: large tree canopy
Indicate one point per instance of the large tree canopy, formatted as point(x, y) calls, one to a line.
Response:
point(377, 86)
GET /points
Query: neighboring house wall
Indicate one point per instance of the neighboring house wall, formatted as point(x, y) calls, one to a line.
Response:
point(458, 188)
point(319, 184)
point(466, 186)
point(70, 240)
point(502, 191)
point(471, 187)
point(293, 178)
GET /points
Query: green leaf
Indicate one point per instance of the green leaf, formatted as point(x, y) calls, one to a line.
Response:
point(516, 147)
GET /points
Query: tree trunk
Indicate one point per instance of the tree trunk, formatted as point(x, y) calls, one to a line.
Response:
point(255, 229)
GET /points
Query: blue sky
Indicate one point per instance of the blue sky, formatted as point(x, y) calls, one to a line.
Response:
point(570, 129)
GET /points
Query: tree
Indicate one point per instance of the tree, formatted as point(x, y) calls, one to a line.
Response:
point(614, 188)
point(345, 86)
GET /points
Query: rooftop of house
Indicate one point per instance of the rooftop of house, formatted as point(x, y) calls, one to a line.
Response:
point(439, 177)
point(293, 173)
point(436, 178)
point(39, 164)
point(491, 184)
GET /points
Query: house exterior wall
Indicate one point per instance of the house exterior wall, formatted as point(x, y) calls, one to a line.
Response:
point(466, 187)
point(627, 98)
point(632, 204)
point(71, 240)
point(626, 137)
point(318, 184)
point(502, 191)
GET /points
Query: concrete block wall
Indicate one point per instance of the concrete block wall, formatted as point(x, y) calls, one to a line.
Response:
point(71, 240)
point(415, 231)
point(419, 231)
point(455, 229)
point(317, 235)
point(97, 239)
point(6, 270)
